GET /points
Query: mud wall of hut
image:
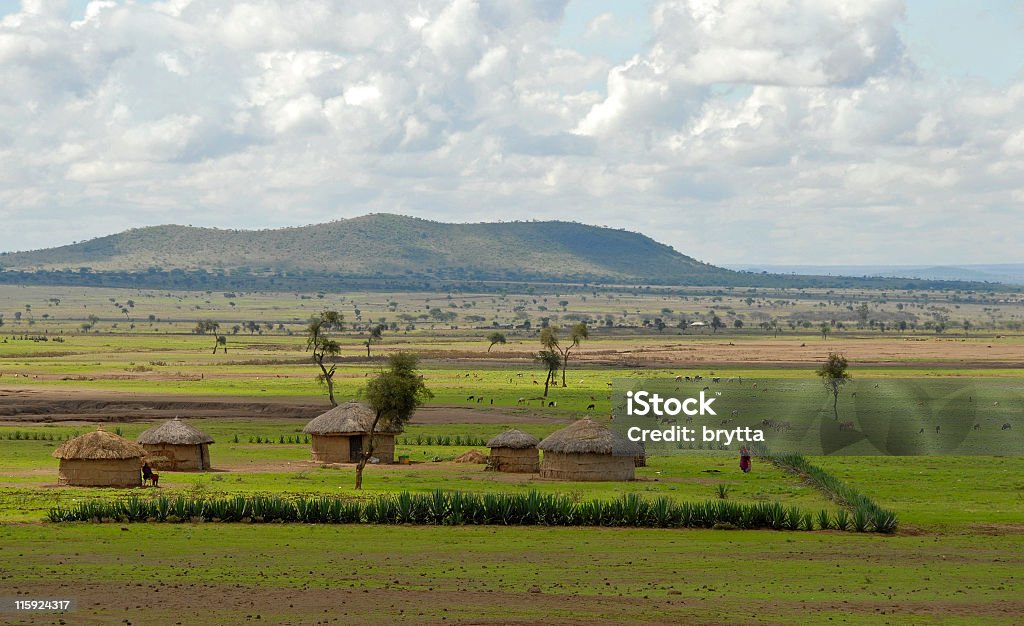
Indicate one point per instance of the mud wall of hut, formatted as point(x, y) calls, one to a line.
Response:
point(329, 449)
point(515, 460)
point(171, 457)
point(101, 472)
point(561, 466)
point(338, 448)
point(383, 447)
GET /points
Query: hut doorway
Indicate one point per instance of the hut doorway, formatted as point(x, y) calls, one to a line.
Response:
point(204, 458)
point(355, 448)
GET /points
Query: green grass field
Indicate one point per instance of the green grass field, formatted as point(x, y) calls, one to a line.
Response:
point(955, 558)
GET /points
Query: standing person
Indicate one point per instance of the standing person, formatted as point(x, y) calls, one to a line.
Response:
point(147, 473)
point(745, 459)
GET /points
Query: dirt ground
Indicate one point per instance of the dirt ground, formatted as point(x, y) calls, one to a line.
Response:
point(19, 405)
point(915, 351)
point(158, 602)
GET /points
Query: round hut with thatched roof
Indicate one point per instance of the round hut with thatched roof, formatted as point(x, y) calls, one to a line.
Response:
point(341, 434)
point(514, 451)
point(587, 450)
point(176, 446)
point(100, 459)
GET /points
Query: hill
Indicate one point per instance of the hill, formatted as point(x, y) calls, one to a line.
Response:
point(386, 245)
point(382, 251)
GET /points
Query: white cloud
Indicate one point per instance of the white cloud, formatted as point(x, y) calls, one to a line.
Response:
point(744, 130)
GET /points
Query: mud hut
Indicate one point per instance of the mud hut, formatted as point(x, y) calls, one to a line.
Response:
point(341, 434)
point(587, 450)
point(100, 459)
point(176, 446)
point(514, 451)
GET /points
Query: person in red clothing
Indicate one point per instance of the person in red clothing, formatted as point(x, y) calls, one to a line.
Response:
point(745, 459)
point(148, 475)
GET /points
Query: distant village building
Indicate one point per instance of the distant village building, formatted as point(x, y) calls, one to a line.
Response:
point(514, 451)
point(587, 450)
point(341, 434)
point(176, 446)
point(100, 459)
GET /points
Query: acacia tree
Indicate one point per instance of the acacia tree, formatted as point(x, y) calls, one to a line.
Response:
point(376, 336)
point(496, 337)
point(834, 375)
point(716, 323)
point(319, 342)
point(209, 326)
point(550, 340)
point(393, 395)
point(551, 360)
point(222, 342)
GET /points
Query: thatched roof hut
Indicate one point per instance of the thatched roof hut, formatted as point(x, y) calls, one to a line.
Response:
point(586, 450)
point(341, 434)
point(100, 459)
point(514, 451)
point(176, 445)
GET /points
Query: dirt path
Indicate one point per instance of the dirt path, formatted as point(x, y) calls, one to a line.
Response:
point(31, 404)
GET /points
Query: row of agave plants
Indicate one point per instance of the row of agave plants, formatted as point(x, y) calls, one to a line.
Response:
point(864, 508)
point(461, 508)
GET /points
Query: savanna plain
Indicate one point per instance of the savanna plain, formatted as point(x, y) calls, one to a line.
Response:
point(72, 359)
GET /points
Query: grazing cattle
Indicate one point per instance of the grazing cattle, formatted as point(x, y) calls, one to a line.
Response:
point(846, 426)
point(521, 401)
point(678, 378)
point(552, 403)
point(920, 432)
point(470, 398)
point(938, 428)
point(1006, 426)
point(977, 427)
point(716, 380)
point(480, 399)
point(535, 382)
point(697, 379)
point(590, 407)
point(688, 379)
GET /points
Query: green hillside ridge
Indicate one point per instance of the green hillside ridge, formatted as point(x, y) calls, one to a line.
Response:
point(384, 245)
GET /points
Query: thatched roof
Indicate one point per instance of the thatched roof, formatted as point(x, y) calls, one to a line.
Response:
point(348, 418)
point(176, 433)
point(99, 444)
point(513, 438)
point(588, 437)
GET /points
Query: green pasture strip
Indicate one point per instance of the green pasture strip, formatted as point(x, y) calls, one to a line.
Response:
point(951, 494)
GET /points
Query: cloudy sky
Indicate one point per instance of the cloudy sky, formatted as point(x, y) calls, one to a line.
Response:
point(738, 131)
